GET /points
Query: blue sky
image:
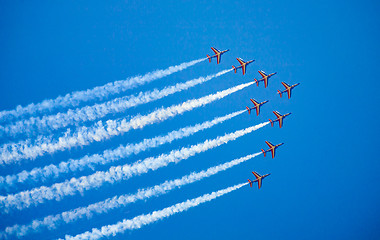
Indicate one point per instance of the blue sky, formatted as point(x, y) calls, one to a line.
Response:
point(324, 179)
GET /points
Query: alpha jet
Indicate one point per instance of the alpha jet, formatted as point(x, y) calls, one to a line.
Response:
point(218, 54)
point(242, 65)
point(272, 148)
point(279, 118)
point(257, 106)
point(288, 89)
point(258, 179)
point(265, 78)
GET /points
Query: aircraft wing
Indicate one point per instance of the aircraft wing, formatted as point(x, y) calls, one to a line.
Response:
point(256, 175)
point(273, 152)
point(269, 144)
point(240, 61)
point(262, 74)
point(266, 82)
point(218, 58)
point(285, 85)
point(254, 102)
point(278, 115)
point(289, 90)
point(280, 122)
point(216, 51)
point(259, 181)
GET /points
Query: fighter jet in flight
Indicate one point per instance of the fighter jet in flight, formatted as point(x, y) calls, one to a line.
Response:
point(257, 106)
point(288, 89)
point(242, 64)
point(265, 78)
point(272, 148)
point(258, 179)
point(279, 118)
point(218, 54)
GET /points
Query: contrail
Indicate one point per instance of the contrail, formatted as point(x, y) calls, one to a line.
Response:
point(145, 219)
point(11, 153)
point(53, 221)
point(108, 156)
point(98, 93)
point(97, 111)
point(58, 191)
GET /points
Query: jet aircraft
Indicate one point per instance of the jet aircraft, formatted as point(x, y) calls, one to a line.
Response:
point(218, 54)
point(272, 148)
point(257, 106)
point(279, 118)
point(265, 78)
point(258, 179)
point(288, 89)
point(242, 64)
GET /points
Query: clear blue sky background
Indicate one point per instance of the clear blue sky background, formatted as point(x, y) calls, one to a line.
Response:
point(324, 182)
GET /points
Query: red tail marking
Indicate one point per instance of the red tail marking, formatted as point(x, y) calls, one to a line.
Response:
point(234, 68)
point(279, 92)
point(264, 152)
point(249, 110)
point(271, 122)
point(209, 58)
point(257, 82)
point(250, 182)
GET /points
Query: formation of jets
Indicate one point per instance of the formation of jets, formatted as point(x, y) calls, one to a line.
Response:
point(279, 118)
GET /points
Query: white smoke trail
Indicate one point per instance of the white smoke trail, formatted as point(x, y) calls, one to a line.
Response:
point(108, 156)
point(97, 111)
point(53, 221)
point(11, 153)
point(145, 219)
point(58, 191)
point(98, 93)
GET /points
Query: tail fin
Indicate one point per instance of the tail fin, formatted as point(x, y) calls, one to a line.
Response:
point(234, 68)
point(249, 110)
point(279, 92)
point(257, 82)
point(264, 152)
point(250, 182)
point(209, 58)
point(271, 122)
